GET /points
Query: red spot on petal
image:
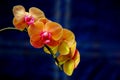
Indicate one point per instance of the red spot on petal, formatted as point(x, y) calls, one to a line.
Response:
point(46, 37)
point(29, 19)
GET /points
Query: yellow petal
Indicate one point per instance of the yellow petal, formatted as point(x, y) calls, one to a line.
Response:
point(36, 13)
point(19, 12)
point(55, 29)
point(68, 67)
point(68, 36)
point(35, 28)
point(21, 25)
point(54, 49)
point(63, 58)
point(64, 48)
point(76, 58)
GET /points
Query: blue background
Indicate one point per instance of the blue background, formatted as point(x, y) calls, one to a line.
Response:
point(96, 25)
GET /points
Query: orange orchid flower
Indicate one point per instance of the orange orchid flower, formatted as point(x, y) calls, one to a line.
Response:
point(23, 19)
point(45, 32)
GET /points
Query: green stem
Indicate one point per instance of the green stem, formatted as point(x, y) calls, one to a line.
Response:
point(55, 58)
point(10, 28)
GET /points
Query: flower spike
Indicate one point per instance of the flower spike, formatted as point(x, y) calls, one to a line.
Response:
point(51, 36)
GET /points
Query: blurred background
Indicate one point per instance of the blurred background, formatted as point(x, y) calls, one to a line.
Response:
point(96, 25)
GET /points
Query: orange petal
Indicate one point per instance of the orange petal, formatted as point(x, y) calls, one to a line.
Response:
point(68, 36)
point(55, 29)
point(44, 20)
point(64, 48)
point(35, 37)
point(21, 25)
point(68, 67)
point(19, 12)
point(76, 58)
point(36, 13)
point(36, 44)
point(35, 28)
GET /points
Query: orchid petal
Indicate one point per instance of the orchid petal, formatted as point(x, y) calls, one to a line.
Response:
point(64, 48)
point(44, 20)
point(37, 44)
point(36, 13)
point(55, 29)
point(19, 12)
point(63, 58)
point(76, 58)
point(35, 28)
point(19, 24)
point(68, 67)
point(73, 48)
point(68, 36)
point(35, 37)
point(53, 43)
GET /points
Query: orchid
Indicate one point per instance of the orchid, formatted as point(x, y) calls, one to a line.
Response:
point(44, 33)
point(23, 19)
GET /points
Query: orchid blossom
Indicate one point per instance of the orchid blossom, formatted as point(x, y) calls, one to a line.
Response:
point(23, 19)
point(45, 32)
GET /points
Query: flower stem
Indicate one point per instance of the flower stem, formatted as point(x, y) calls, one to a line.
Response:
point(55, 58)
point(10, 28)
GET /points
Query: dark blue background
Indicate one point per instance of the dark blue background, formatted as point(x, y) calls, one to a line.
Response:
point(96, 24)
